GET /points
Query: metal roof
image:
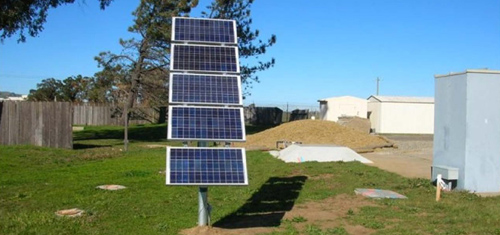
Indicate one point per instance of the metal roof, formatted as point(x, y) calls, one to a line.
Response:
point(403, 99)
point(341, 97)
point(468, 71)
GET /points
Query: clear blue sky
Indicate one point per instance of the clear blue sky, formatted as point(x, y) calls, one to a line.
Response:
point(324, 48)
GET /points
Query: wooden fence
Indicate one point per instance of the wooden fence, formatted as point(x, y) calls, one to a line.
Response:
point(95, 115)
point(47, 124)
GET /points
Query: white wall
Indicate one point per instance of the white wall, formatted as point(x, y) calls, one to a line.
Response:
point(468, 129)
point(407, 118)
point(401, 117)
point(375, 109)
point(449, 133)
point(344, 106)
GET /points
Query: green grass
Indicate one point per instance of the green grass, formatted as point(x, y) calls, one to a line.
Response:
point(35, 182)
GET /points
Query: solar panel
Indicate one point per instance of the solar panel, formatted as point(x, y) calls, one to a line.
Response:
point(198, 58)
point(206, 166)
point(205, 123)
point(205, 89)
point(204, 30)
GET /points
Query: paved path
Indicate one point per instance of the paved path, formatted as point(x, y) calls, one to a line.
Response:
point(413, 164)
point(412, 159)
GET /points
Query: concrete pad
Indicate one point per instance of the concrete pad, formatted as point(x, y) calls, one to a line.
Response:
point(78, 128)
point(74, 212)
point(111, 187)
point(320, 153)
point(411, 164)
point(378, 193)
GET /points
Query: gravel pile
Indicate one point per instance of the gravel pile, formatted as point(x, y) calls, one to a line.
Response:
point(413, 145)
point(313, 132)
point(411, 142)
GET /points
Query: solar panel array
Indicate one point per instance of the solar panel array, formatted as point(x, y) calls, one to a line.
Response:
point(205, 89)
point(206, 103)
point(204, 30)
point(206, 166)
point(206, 123)
point(199, 58)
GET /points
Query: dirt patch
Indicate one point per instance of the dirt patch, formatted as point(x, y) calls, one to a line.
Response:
point(321, 177)
point(412, 158)
point(313, 132)
point(328, 213)
point(151, 146)
point(213, 230)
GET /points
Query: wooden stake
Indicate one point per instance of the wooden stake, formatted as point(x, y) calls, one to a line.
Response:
point(438, 192)
point(438, 187)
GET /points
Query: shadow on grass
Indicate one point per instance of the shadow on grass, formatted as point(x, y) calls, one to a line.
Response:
point(89, 146)
point(155, 132)
point(267, 206)
point(137, 132)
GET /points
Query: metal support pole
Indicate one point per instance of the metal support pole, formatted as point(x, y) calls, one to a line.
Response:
point(202, 144)
point(203, 206)
point(378, 84)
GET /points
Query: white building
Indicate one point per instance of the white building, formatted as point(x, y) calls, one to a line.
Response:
point(468, 129)
point(15, 98)
point(401, 115)
point(344, 106)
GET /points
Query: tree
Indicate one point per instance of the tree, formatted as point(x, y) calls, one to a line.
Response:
point(72, 89)
point(144, 60)
point(249, 45)
point(47, 90)
point(105, 86)
point(19, 16)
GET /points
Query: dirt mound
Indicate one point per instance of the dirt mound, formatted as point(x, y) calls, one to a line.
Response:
point(313, 132)
point(357, 123)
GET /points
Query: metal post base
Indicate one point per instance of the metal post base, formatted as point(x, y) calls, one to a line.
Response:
point(203, 207)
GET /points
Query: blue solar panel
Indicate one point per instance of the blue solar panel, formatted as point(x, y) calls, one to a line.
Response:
point(204, 30)
point(206, 166)
point(205, 89)
point(206, 123)
point(205, 59)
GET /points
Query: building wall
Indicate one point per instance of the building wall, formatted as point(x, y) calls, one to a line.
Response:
point(407, 118)
point(449, 130)
point(482, 153)
point(344, 106)
point(323, 110)
point(468, 129)
point(401, 118)
point(374, 109)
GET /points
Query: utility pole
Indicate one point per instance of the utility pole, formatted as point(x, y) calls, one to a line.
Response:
point(378, 84)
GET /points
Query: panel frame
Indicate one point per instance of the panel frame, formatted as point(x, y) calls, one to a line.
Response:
point(172, 59)
point(171, 82)
point(235, 42)
point(242, 121)
point(243, 158)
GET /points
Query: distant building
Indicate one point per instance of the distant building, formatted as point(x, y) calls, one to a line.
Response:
point(401, 115)
point(343, 106)
point(15, 98)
